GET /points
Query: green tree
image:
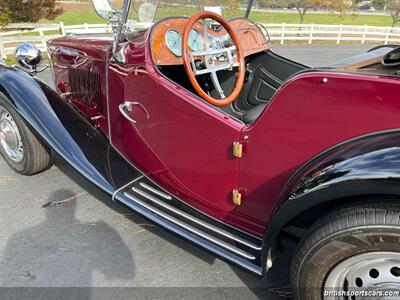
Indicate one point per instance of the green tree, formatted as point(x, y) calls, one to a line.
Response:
point(4, 16)
point(30, 10)
point(393, 6)
point(303, 6)
point(266, 3)
point(233, 7)
point(201, 3)
point(341, 6)
point(273, 3)
point(379, 4)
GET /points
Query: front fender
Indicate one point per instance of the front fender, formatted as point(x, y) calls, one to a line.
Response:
point(59, 125)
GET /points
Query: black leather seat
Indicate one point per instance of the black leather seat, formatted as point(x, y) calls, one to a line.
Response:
point(252, 115)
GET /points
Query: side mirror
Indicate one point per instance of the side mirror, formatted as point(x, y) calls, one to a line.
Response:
point(103, 8)
point(2, 62)
point(28, 56)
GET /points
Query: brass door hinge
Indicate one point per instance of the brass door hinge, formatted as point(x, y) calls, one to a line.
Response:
point(238, 149)
point(236, 197)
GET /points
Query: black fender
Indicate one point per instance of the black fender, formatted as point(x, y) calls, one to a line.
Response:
point(364, 166)
point(64, 129)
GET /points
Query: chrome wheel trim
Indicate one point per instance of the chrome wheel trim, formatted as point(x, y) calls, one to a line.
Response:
point(10, 138)
point(371, 272)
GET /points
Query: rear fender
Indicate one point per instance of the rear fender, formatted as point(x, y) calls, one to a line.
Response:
point(59, 125)
point(372, 159)
point(362, 167)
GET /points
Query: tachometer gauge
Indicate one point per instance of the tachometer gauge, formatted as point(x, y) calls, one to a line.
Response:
point(196, 41)
point(174, 42)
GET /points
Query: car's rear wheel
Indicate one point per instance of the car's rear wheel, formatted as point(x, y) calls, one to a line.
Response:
point(352, 251)
point(23, 151)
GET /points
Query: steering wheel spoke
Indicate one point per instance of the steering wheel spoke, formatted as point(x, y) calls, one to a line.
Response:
point(206, 38)
point(217, 85)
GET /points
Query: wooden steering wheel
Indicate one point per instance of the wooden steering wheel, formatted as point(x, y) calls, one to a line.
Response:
point(215, 57)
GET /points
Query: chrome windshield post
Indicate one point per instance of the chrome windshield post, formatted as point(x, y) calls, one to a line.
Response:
point(117, 55)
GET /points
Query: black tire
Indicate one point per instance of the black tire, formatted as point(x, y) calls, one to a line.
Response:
point(36, 155)
point(341, 236)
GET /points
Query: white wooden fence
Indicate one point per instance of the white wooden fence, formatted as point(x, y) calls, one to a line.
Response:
point(282, 33)
point(39, 36)
point(311, 33)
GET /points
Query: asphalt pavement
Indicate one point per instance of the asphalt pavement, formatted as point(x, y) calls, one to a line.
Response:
point(59, 231)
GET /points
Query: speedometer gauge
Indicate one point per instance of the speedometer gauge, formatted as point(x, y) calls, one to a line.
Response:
point(196, 41)
point(174, 42)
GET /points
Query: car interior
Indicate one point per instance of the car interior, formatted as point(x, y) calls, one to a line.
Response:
point(265, 71)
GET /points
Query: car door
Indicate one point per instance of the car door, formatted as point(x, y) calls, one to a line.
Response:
point(176, 139)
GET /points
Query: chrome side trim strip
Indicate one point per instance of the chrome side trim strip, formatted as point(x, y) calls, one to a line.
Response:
point(125, 187)
point(189, 236)
point(196, 220)
point(155, 191)
point(192, 229)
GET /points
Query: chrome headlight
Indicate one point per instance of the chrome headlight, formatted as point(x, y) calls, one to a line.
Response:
point(28, 56)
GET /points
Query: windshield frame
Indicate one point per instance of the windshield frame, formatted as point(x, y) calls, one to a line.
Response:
point(128, 5)
point(249, 7)
point(122, 32)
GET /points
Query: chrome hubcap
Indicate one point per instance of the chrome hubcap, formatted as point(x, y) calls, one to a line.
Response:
point(374, 275)
point(10, 139)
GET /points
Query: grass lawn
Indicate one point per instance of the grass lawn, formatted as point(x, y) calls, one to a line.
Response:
point(10, 61)
point(76, 15)
point(76, 18)
point(84, 13)
point(332, 19)
point(89, 16)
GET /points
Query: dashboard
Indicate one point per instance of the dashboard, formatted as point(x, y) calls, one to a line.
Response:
point(166, 39)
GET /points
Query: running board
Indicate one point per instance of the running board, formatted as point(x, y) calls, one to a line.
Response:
point(164, 209)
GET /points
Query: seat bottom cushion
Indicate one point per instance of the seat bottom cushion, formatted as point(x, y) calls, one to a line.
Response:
point(252, 115)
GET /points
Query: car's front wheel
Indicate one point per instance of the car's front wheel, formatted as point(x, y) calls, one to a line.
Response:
point(353, 253)
point(19, 146)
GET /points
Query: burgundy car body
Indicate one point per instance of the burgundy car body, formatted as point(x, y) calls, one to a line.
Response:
point(192, 159)
point(325, 136)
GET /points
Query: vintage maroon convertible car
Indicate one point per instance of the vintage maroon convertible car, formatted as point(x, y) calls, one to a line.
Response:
point(267, 150)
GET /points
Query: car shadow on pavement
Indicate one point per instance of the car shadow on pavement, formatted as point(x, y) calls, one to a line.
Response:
point(65, 252)
point(97, 193)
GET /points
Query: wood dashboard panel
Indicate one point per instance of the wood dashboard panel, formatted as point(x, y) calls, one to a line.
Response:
point(252, 40)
